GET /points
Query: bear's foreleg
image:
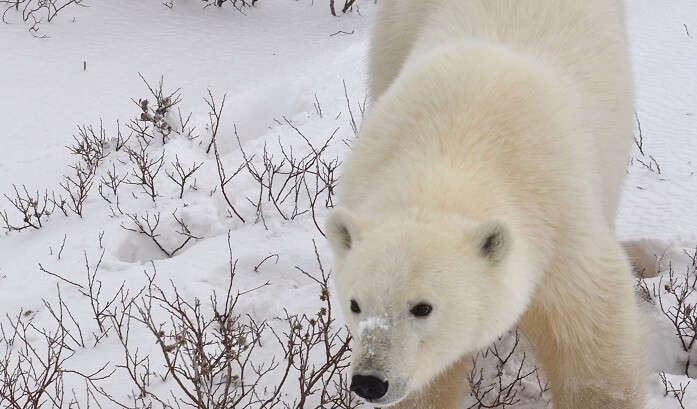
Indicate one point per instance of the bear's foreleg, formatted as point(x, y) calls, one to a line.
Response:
point(584, 327)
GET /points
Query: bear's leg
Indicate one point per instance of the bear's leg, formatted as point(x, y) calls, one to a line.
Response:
point(584, 327)
point(447, 391)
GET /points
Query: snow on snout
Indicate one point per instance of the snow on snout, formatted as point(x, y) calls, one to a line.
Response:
point(371, 324)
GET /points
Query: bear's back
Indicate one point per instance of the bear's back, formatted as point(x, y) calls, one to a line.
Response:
point(583, 41)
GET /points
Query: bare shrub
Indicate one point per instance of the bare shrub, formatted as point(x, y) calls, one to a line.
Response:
point(644, 159)
point(293, 184)
point(675, 294)
point(32, 208)
point(35, 12)
point(34, 361)
point(678, 393)
point(154, 122)
point(145, 166)
point(238, 4)
point(336, 8)
point(149, 224)
point(90, 145)
point(348, 6)
point(225, 179)
point(93, 292)
point(208, 356)
point(306, 334)
point(109, 185)
point(361, 109)
point(214, 114)
point(155, 115)
point(680, 311)
point(77, 187)
point(181, 175)
point(211, 351)
point(501, 373)
point(119, 141)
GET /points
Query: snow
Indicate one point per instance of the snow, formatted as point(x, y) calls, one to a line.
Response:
point(271, 62)
point(370, 324)
point(664, 60)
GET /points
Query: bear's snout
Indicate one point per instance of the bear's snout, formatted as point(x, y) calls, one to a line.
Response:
point(368, 387)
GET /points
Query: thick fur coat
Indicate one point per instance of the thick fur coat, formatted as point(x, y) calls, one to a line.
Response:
point(484, 185)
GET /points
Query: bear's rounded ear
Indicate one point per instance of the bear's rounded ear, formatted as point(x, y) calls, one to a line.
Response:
point(493, 240)
point(342, 230)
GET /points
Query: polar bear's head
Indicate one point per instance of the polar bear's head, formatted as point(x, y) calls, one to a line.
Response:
point(418, 295)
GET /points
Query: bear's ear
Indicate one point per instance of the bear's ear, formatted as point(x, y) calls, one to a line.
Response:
point(342, 230)
point(493, 240)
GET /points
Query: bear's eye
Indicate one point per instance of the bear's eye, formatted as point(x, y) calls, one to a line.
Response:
point(354, 307)
point(421, 310)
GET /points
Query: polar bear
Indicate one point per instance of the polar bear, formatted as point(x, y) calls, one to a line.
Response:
point(481, 195)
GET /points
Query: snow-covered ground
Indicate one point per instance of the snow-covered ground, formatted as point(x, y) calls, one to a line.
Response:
point(290, 71)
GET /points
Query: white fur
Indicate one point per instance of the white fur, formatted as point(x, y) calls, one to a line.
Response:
point(511, 113)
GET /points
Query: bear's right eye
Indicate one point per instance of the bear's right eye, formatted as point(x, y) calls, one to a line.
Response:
point(354, 307)
point(421, 310)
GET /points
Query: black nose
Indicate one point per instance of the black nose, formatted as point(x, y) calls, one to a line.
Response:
point(368, 387)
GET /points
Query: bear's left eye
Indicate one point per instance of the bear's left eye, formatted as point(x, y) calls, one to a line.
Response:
point(354, 307)
point(421, 310)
